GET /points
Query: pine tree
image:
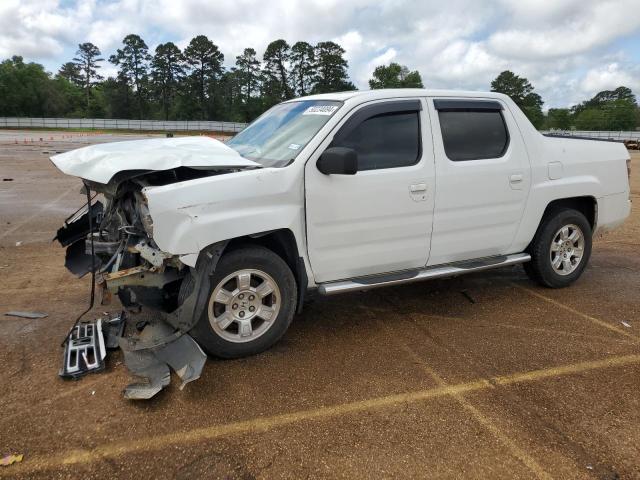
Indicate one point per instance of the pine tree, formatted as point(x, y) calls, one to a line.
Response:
point(331, 69)
point(302, 68)
point(166, 74)
point(133, 60)
point(249, 70)
point(87, 58)
point(204, 60)
point(276, 58)
point(70, 72)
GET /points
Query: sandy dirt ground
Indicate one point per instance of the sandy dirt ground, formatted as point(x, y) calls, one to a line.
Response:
point(508, 380)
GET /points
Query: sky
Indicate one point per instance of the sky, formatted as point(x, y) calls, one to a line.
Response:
point(568, 49)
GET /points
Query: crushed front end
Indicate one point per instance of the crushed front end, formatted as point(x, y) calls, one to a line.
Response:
point(112, 238)
point(127, 264)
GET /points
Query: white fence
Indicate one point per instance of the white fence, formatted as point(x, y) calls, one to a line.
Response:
point(592, 134)
point(212, 126)
point(118, 124)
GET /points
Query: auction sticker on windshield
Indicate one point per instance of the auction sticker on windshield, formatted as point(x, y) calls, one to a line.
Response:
point(320, 110)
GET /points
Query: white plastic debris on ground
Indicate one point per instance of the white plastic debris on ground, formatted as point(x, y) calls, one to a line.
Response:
point(26, 314)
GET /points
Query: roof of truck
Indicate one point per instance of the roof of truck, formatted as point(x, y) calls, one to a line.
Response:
point(399, 92)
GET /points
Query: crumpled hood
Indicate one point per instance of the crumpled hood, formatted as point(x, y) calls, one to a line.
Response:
point(99, 163)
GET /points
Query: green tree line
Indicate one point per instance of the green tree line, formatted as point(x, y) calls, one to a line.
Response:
point(607, 110)
point(194, 83)
point(170, 83)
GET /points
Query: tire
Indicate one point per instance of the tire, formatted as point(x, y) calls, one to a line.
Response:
point(570, 232)
point(252, 301)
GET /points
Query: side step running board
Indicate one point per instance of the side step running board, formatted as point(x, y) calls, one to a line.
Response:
point(440, 271)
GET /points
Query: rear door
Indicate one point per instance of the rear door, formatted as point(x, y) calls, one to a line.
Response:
point(378, 220)
point(483, 178)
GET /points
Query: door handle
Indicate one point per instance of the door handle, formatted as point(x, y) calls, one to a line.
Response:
point(418, 188)
point(516, 178)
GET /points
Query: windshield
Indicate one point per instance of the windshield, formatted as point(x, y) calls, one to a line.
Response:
point(277, 136)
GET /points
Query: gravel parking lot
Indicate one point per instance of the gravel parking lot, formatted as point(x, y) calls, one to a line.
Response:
point(483, 376)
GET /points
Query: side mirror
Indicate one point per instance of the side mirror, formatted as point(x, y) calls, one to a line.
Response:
point(338, 161)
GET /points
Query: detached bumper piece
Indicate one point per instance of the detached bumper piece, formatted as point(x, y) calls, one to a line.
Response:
point(85, 350)
point(149, 355)
point(149, 352)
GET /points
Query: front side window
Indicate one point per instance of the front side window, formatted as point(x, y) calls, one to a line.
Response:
point(275, 138)
point(473, 135)
point(385, 141)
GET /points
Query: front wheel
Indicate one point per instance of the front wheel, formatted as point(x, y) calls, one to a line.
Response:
point(251, 303)
point(561, 249)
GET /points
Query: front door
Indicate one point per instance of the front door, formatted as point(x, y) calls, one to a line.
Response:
point(378, 220)
point(483, 176)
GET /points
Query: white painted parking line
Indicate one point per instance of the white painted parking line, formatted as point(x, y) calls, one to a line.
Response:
point(47, 206)
point(264, 424)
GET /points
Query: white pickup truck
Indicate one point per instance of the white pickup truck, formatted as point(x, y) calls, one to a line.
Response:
point(338, 192)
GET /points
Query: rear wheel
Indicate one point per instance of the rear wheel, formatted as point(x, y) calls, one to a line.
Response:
point(251, 303)
point(561, 249)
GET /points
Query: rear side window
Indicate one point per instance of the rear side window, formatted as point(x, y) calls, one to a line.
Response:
point(388, 140)
point(473, 135)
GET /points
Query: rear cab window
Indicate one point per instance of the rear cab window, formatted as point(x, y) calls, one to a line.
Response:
point(472, 129)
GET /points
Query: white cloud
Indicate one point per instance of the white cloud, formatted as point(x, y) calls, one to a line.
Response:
point(566, 48)
point(384, 58)
point(39, 28)
point(608, 77)
point(364, 71)
point(565, 27)
point(352, 43)
point(535, 11)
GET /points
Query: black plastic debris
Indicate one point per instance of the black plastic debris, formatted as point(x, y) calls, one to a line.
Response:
point(78, 261)
point(73, 234)
point(76, 227)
